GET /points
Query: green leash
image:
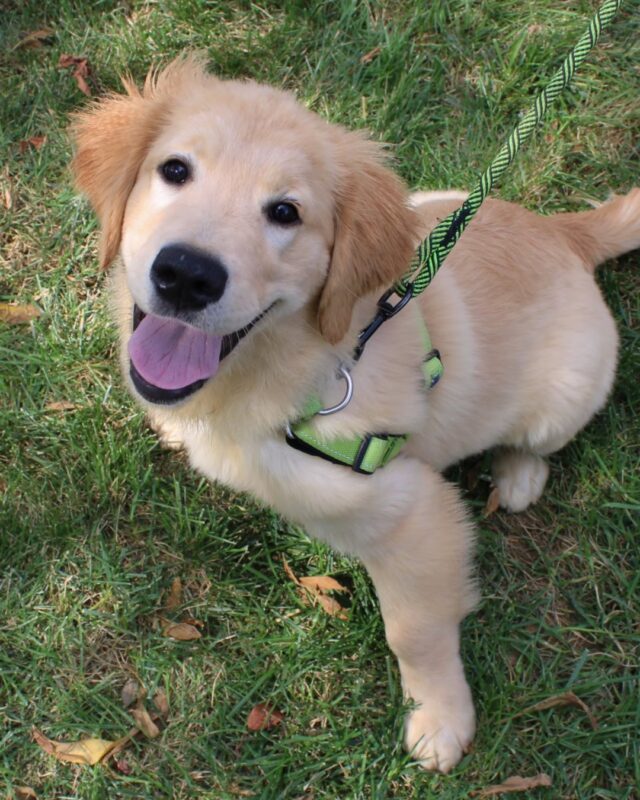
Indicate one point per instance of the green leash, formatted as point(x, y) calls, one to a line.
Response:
point(437, 246)
point(372, 451)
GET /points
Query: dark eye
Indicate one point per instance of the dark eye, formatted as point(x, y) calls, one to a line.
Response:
point(283, 213)
point(175, 170)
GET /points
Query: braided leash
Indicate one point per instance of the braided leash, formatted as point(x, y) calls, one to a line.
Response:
point(432, 251)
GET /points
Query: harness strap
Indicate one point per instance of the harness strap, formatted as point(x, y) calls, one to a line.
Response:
point(364, 454)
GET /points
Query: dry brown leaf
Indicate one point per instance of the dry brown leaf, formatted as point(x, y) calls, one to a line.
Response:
point(34, 141)
point(174, 599)
point(86, 751)
point(515, 783)
point(289, 572)
point(191, 621)
point(144, 722)
point(314, 588)
point(18, 314)
point(493, 502)
point(35, 39)
point(80, 72)
point(161, 703)
point(322, 583)
point(131, 692)
point(82, 83)
point(24, 793)
point(564, 699)
point(182, 631)
point(123, 741)
point(332, 606)
point(367, 58)
point(263, 716)
point(61, 405)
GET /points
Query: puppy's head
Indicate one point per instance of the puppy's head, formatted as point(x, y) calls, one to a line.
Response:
point(232, 206)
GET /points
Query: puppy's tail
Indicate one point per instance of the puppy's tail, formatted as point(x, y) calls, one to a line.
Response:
point(607, 231)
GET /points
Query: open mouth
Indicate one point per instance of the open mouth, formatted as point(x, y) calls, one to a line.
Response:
point(169, 360)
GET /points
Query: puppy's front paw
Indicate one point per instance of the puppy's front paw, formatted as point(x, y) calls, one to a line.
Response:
point(437, 736)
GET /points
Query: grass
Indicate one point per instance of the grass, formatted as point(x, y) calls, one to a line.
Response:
point(96, 520)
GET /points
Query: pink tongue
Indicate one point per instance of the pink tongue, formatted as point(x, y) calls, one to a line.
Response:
point(172, 355)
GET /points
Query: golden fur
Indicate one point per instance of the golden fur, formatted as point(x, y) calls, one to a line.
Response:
point(528, 344)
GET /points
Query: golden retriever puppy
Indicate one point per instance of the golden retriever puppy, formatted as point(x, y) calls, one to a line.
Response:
point(252, 241)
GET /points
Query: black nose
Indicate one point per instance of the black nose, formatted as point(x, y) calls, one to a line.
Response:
point(187, 278)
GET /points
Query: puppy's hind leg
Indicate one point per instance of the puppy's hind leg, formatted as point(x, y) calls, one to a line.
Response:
point(519, 476)
point(573, 382)
point(421, 571)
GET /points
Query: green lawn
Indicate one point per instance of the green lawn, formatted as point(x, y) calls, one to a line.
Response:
point(97, 520)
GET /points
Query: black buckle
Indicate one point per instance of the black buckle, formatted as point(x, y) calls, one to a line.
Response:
point(362, 452)
point(385, 311)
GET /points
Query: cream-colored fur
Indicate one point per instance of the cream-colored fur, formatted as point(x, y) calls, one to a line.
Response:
point(528, 344)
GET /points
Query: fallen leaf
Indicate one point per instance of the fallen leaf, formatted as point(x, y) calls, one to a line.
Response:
point(564, 699)
point(263, 716)
point(82, 83)
point(493, 502)
point(289, 572)
point(61, 405)
point(144, 722)
point(24, 793)
point(80, 72)
point(34, 141)
point(367, 58)
point(514, 784)
point(35, 39)
point(131, 692)
point(123, 741)
point(315, 587)
point(313, 590)
point(161, 703)
point(322, 583)
point(332, 606)
point(182, 631)
point(17, 314)
point(174, 599)
point(86, 751)
point(191, 621)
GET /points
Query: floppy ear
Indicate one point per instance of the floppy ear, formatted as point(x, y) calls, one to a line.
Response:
point(112, 138)
point(376, 233)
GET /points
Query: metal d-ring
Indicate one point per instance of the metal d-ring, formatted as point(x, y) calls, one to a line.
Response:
point(343, 372)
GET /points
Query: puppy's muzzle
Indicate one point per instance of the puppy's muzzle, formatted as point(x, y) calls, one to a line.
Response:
point(187, 279)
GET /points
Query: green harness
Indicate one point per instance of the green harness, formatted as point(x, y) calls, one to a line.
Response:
point(370, 452)
point(364, 454)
